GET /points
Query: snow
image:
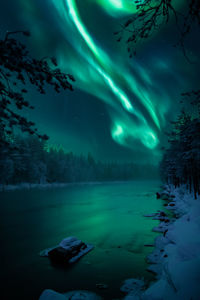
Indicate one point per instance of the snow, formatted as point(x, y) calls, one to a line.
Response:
point(73, 295)
point(133, 287)
point(70, 242)
point(176, 257)
point(132, 284)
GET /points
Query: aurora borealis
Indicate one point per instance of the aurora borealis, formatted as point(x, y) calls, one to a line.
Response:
point(102, 65)
point(135, 96)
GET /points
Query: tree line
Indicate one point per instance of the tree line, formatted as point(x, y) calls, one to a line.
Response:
point(32, 160)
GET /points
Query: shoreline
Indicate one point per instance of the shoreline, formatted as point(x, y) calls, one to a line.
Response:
point(30, 186)
point(175, 260)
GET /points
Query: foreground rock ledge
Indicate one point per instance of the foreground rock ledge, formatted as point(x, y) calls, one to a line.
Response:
point(68, 251)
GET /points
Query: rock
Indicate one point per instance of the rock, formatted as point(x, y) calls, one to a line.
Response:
point(51, 295)
point(162, 214)
point(133, 285)
point(158, 195)
point(159, 215)
point(68, 251)
point(164, 196)
point(81, 295)
point(60, 255)
point(161, 227)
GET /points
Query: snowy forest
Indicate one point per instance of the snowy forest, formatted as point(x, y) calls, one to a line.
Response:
point(31, 160)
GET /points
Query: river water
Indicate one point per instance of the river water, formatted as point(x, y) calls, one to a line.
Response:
point(108, 215)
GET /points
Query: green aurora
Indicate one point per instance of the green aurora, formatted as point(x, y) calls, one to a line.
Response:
point(124, 127)
point(135, 94)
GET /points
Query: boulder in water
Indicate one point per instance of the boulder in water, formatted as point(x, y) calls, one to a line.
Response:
point(68, 251)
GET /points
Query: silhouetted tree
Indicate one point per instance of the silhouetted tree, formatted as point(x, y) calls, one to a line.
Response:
point(152, 14)
point(193, 98)
point(18, 69)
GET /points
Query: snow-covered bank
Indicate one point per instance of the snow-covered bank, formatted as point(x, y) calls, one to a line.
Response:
point(27, 186)
point(176, 257)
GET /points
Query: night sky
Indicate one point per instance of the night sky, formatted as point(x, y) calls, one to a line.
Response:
point(120, 107)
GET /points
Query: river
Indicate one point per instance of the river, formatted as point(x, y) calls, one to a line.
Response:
point(108, 215)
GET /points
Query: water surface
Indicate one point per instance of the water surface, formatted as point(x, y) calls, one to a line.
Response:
point(108, 215)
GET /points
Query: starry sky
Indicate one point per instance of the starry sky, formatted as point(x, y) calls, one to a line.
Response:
point(120, 108)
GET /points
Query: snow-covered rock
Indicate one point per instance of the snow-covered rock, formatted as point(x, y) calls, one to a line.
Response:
point(162, 227)
point(51, 295)
point(68, 251)
point(133, 287)
point(159, 215)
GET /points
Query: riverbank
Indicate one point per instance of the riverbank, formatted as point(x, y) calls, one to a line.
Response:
point(29, 186)
point(176, 258)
